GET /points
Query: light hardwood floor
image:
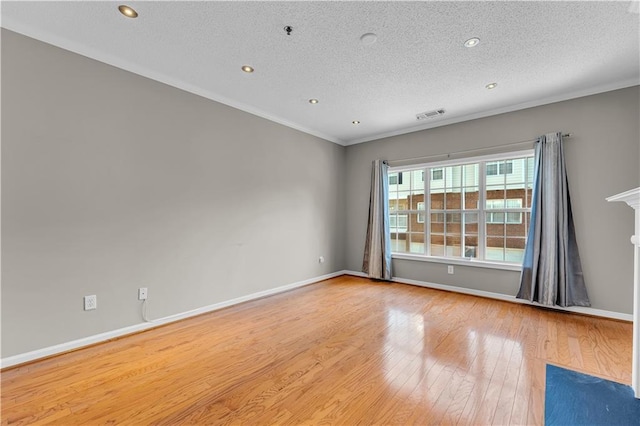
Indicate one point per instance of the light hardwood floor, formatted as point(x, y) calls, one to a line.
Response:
point(343, 351)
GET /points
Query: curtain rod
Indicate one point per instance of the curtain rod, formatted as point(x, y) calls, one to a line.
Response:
point(564, 135)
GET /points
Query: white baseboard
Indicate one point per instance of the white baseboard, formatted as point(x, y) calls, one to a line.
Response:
point(102, 337)
point(505, 297)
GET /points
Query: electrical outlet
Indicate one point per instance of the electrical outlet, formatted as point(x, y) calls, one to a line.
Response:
point(142, 293)
point(90, 302)
point(450, 269)
point(321, 259)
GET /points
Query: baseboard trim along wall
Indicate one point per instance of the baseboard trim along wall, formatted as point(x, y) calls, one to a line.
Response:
point(505, 297)
point(103, 337)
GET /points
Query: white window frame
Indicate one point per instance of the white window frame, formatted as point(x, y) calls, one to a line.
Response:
point(482, 181)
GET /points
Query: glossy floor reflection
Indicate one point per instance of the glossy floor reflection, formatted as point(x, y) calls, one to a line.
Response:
point(344, 351)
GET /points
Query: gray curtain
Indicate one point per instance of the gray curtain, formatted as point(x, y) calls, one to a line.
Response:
point(377, 250)
point(551, 270)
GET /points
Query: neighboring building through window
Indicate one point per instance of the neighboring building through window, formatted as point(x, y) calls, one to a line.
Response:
point(395, 179)
point(398, 223)
point(504, 168)
point(475, 207)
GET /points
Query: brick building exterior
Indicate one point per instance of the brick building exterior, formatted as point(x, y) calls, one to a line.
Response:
point(509, 235)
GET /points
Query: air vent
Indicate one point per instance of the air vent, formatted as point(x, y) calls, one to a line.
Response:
point(430, 114)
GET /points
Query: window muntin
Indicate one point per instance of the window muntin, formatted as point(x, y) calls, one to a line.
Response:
point(468, 213)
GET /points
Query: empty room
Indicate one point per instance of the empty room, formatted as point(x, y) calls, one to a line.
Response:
point(320, 212)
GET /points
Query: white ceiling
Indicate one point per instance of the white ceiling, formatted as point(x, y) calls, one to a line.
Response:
point(537, 52)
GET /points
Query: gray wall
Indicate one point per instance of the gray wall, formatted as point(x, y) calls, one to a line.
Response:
point(603, 159)
point(111, 181)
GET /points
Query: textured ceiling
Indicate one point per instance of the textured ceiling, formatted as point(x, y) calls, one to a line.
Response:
point(537, 52)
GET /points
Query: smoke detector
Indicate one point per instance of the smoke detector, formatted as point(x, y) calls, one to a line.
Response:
point(430, 114)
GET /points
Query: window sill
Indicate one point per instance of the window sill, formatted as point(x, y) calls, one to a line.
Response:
point(463, 262)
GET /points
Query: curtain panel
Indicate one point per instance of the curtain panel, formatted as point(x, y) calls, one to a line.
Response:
point(551, 270)
point(377, 250)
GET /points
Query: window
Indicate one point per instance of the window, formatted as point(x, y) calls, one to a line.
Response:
point(502, 168)
point(471, 208)
point(398, 222)
point(421, 209)
point(493, 216)
point(395, 179)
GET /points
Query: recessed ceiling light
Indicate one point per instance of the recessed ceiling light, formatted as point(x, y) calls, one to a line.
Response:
point(368, 38)
point(127, 11)
point(247, 69)
point(491, 86)
point(313, 101)
point(355, 122)
point(472, 42)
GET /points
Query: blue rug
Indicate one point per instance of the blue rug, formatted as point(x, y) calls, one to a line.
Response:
point(573, 398)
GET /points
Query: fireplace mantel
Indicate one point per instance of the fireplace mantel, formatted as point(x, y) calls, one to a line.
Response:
point(632, 198)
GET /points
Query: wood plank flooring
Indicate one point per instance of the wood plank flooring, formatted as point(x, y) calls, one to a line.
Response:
point(343, 351)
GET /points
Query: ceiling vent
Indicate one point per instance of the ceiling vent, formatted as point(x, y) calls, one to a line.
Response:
point(430, 114)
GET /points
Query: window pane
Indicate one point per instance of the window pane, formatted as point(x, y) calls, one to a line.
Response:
point(471, 235)
point(495, 242)
point(417, 180)
point(471, 198)
point(453, 237)
point(452, 200)
point(453, 176)
point(421, 215)
point(399, 242)
point(530, 169)
point(437, 200)
point(437, 245)
point(514, 217)
point(495, 217)
point(436, 174)
point(404, 198)
point(514, 250)
point(398, 223)
point(403, 180)
point(437, 234)
point(453, 234)
point(437, 218)
point(529, 184)
point(505, 168)
point(414, 225)
point(471, 174)
point(494, 192)
point(416, 201)
point(416, 243)
point(514, 203)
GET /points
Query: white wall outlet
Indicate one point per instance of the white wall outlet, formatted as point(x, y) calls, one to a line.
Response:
point(450, 269)
point(142, 293)
point(90, 302)
point(321, 259)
